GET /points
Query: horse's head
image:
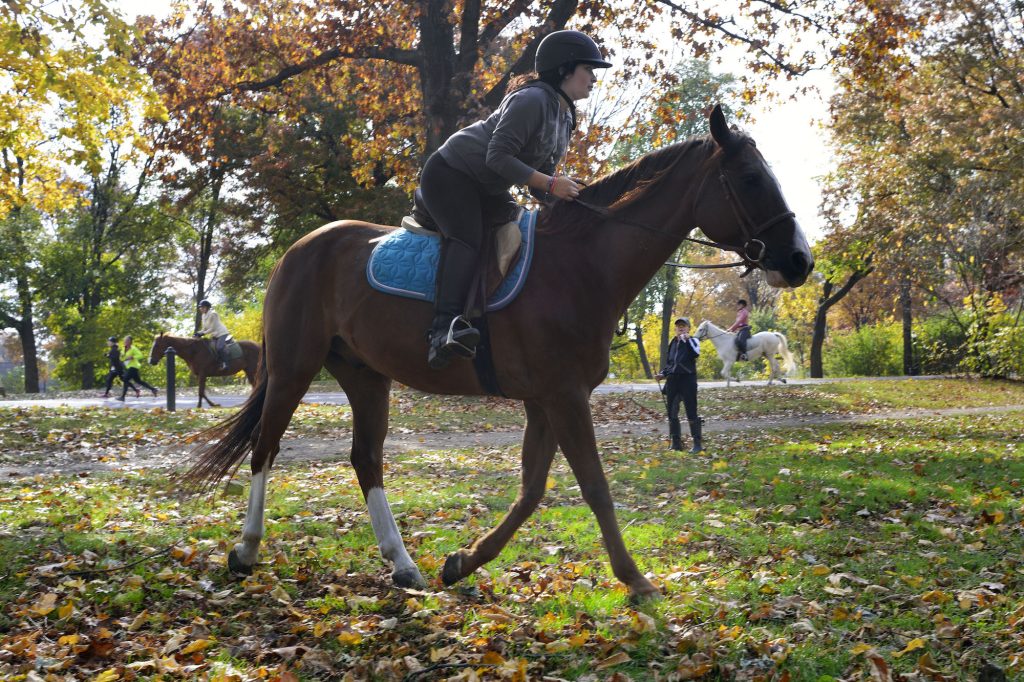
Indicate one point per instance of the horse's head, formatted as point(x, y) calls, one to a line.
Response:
point(157, 351)
point(702, 331)
point(740, 205)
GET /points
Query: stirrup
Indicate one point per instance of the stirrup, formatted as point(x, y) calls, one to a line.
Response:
point(461, 339)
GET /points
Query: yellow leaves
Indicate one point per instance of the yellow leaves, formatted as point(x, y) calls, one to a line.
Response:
point(936, 597)
point(860, 648)
point(44, 605)
point(67, 609)
point(348, 638)
point(108, 675)
point(197, 645)
point(912, 645)
point(820, 570)
point(912, 580)
point(720, 465)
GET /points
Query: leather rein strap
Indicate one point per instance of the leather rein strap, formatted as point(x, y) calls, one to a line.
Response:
point(753, 249)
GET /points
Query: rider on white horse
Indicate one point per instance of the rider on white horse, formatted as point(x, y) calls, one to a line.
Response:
point(768, 344)
point(742, 328)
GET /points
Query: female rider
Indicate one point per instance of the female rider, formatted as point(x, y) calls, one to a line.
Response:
point(469, 176)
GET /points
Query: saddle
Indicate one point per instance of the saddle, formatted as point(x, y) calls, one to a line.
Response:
point(404, 262)
point(232, 351)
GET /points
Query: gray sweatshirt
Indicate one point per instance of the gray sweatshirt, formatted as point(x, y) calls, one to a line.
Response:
point(527, 132)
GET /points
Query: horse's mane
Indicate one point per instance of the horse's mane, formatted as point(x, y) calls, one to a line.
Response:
point(622, 187)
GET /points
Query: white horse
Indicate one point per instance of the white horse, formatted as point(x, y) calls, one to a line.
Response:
point(768, 344)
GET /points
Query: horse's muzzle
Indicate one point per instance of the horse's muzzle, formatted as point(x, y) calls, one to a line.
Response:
point(792, 272)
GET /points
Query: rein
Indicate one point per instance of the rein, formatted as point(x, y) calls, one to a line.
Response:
point(753, 249)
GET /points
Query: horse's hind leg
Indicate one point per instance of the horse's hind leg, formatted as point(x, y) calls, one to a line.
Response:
point(286, 384)
point(539, 447)
point(367, 392)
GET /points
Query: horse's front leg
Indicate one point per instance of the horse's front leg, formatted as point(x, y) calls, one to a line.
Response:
point(202, 392)
point(727, 372)
point(538, 450)
point(573, 425)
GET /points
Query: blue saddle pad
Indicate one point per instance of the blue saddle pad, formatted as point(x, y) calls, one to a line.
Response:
point(405, 264)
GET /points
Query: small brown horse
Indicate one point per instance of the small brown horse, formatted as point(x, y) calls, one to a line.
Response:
point(197, 355)
point(549, 346)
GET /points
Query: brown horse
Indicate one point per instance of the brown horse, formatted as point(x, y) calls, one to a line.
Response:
point(549, 346)
point(196, 354)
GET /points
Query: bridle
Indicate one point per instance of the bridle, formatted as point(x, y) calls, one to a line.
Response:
point(751, 253)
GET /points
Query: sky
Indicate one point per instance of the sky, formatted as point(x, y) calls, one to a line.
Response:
point(788, 131)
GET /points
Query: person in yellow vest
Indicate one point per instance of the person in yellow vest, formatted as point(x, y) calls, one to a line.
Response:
point(215, 329)
point(133, 358)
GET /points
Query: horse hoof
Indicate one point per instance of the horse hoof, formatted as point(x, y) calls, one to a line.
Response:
point(409, 578)
point(783, 381)
point(236, 566)
point(452, 571)
point(645, 596)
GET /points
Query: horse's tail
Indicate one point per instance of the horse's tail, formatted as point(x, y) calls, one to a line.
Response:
point(787, 357)
point(227, 444)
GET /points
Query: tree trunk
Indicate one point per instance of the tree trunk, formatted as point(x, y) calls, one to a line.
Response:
point(667, 308)
point(437, 69)
point(825, 302)
point(27, 335)
point(643, 351)
point(908, 321)
point(206, 243)
point(818, 334)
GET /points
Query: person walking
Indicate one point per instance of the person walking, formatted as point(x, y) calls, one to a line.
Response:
point(470, 175)
point(742, 328)
point(215, 329)
point(680, 373)
point(116, 368)
point(133, 358)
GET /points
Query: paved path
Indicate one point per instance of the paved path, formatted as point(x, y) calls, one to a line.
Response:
point(230, 398)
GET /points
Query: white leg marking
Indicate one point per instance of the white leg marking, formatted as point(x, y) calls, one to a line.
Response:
point(252, 532)
point(386, 530)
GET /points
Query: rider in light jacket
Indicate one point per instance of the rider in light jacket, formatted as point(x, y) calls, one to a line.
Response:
point(215, 329)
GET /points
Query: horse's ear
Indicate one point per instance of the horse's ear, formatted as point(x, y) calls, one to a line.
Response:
point(719, 128)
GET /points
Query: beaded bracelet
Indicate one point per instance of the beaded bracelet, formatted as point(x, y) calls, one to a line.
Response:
point(551, 184)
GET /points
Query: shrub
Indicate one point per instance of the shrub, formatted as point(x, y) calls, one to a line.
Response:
point(872, 350)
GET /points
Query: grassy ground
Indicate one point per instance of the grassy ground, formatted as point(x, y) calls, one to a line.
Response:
point(828, 552)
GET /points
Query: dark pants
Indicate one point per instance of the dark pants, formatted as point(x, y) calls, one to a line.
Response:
point(132, 374)
point(681, 388)
point(742, 334)
point(118, 374)
point(461, 209)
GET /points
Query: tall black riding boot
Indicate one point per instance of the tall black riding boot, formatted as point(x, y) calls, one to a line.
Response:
point(695, 431)
point(676, 432)
point(451, 334)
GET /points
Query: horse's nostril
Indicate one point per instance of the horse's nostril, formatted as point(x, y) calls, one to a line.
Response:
point(803, 263)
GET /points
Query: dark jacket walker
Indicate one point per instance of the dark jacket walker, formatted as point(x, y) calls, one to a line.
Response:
point(464, 185)
point(680, 372)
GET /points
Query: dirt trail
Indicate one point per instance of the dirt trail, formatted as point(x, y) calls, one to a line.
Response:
point(335, 448)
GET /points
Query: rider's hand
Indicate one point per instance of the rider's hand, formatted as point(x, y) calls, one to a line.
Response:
point(565, 187)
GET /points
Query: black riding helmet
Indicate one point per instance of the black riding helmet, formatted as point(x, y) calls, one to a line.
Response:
point(565, 47)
